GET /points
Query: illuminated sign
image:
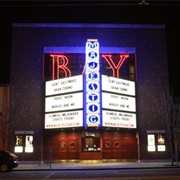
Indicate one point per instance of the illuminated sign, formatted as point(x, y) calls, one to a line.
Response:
point(65, 85)
point(119, 119)
point(29, 144)
point(117, 85)
point(151, 142)
point(92, 87)
point(59, 63)
point(115, 67)
point(156, 140)
point(118, 102)
point(77, 85)
point(64, 102)
point(64, 119)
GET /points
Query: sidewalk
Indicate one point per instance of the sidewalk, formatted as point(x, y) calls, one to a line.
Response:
point(91, 166)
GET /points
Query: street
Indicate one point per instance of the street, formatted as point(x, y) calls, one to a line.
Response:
point(113, 174)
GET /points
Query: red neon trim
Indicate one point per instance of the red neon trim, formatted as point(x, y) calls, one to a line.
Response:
point(115, 68)
point(60, 62)
point(53, 64)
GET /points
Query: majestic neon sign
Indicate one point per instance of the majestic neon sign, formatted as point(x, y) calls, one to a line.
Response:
point(92, 81)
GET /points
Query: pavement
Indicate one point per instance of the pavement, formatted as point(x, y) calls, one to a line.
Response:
point(23, 166)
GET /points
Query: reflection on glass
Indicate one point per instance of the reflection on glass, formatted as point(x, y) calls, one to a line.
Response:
point(63, 144)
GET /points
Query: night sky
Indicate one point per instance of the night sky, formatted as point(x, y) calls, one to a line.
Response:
point(121, 12)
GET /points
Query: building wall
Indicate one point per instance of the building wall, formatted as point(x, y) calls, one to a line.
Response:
point(27, 76)
point(4, 112)
point(126, 147)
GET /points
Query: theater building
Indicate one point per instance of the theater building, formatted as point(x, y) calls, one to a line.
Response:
point(86, 91)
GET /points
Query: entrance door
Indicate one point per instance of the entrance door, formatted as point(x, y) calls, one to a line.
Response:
point(111, 148)
point(72, 148)
point(116, 148)
point(62, 148)
point(107, 148)
point(117, 145)
point(129, 145)
point(68, 146)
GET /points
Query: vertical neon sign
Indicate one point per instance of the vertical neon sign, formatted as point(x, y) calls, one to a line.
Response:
point(92, 84)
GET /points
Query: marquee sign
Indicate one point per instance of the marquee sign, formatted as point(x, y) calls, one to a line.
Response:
point(118, 102)
point(119, 119)
point(65, 85)
point(92, 84)
point(64, 102)
point(64, 119)
point(117, 85)
point(83, 97)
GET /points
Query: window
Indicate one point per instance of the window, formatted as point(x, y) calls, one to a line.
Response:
point(151, 142)
point(24, 141)
point(72, 144)
point(116, 144)
point(19, 144)
point(63, 145)
point(90, 141)
point(156, 141)
point(161, 142)
point(29, 143)
point(107, 144)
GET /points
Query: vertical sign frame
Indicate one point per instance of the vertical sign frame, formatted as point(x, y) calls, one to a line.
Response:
point(92, 88)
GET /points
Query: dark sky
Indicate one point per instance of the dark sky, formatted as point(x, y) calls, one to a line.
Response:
point(121, 12)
